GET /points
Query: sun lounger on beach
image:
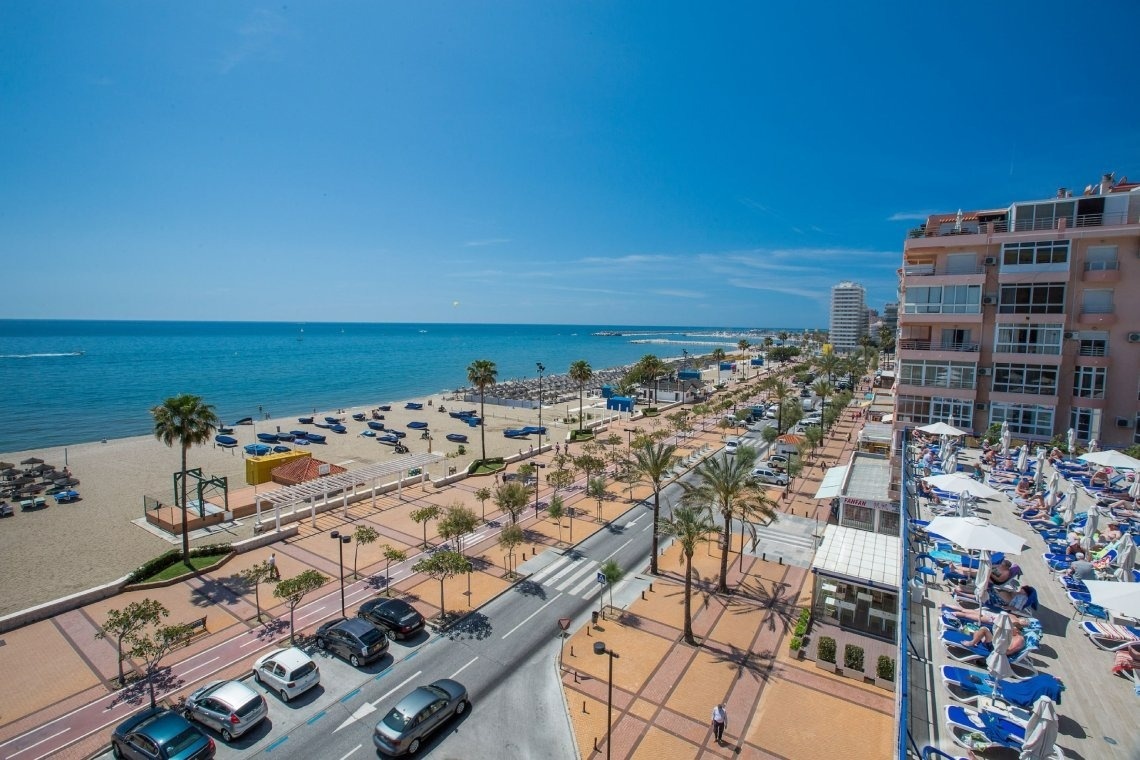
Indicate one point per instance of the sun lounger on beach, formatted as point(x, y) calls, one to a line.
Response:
point(1108, 636)
point(970, 684)
point(959, 648)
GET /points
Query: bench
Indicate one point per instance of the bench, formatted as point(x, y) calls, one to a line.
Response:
point(194, 628)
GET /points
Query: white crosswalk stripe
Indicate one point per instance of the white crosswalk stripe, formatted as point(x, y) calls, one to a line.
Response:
point(573, 576)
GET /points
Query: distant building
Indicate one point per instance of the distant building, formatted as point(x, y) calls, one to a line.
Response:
point(891, 317)
point(848, 316)
point(1025, 315)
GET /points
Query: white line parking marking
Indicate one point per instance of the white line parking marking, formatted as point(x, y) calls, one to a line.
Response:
point(615, 551)
point(41, 741)
point(453, 675)
point(351, 751)
point(202, 665)
point(528, 617)
point(399, 686)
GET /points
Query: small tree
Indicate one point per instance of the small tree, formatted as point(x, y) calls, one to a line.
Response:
point(457, 522)
point(391, 554)
point(293, 590)
point(556, 511)
point(558, 479)
point(441, 566)
point(512, 498)
point(255, 575)
point(424, 515)
point(122, 624)
point(526, 472)
point(152, 646)
point(814, 435)
point(364, 534)
point(590, 465)
point(613, 573)
point(596, 489)
point(482, 495)
point(509, 538)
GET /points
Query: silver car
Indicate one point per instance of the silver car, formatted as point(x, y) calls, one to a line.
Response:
point(417, 715)
point(229, 707)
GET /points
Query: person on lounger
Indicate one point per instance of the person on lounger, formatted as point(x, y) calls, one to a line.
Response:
point(1024, 488)
point(982, 617)
point(986, 636)
point(998, 575)
point(1039, 515)
point(1056, 457)
point(1016, 601)
point(925, 491)
point(1100, 478)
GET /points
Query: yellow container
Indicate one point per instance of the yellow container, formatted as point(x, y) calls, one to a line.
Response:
point(258, 470)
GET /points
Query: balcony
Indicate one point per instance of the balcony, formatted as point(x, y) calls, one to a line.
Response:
point(926, 314)
point(1115, 219)
point(1096, 316)
point(932, 270)
point(917, 344)
point(1101, 271)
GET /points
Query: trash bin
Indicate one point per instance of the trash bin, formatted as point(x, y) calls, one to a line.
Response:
point(594, 617)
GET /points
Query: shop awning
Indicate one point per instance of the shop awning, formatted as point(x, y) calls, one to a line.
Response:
point(832, 484)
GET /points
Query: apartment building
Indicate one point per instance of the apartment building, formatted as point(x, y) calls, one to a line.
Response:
point(848, 316)
point(1028, 315)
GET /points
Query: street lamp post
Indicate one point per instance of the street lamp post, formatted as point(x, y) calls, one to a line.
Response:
point(629, 437)
point(541, 369)
point(341, 541)
point(600, 648)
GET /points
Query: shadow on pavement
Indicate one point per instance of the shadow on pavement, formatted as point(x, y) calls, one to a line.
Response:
point(475, 625)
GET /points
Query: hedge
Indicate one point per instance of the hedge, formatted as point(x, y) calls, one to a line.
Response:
point(826, 649)
point(173, 556)
point(853, 657)
point(886, 668)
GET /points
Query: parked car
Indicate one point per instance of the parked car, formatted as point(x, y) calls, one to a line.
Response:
point(288, 672)
point(354, 639)
point(395, 617)
point(229, 707)
point(731, 446)
point(160, 734)
point(417, 715)
point(778, 462)
point(768, 475)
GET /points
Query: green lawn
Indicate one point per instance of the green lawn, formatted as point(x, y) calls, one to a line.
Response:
point(180, 568)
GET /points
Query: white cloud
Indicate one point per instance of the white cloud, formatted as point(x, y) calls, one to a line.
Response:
point(489, 241)
point(678, 293)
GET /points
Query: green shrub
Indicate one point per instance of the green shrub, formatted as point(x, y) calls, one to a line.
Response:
point(802, 622)
point(826, 649)
point(211, 550)
point(853, 657)
point(491, 464)
point(461, 450)
point(886, 668)
point(173, 557)
point(795, 643)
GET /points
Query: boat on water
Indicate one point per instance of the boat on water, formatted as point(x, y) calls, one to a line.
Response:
point(305, 420)
point(375, 425)
point(315, 438)
point(457, 437)
point(226, 440)
point(416, 425)
point(257, 449)
point(386, 408)
point(279, 449)
point(267, 437)
point(338, 428)
point(245, 421)
point(413, 405)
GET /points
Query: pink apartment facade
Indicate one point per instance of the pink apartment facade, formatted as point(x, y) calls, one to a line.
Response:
point(1028, 315)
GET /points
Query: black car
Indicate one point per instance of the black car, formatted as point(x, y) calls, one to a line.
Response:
point(395, 616)
point(160, 734)
point(356, 640)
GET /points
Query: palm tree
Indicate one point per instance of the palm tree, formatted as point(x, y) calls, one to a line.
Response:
point(581, 372)
point(690, 526)
point(829, 365)
point(651, 463)
point(725, 485)
point(189, 421)
point(652, 368)
point(482, 373)
point(781, 393)
point(823, 389)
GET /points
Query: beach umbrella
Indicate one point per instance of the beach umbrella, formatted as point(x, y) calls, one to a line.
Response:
point(1071, 438)
point(1039, 472)
point(1004, 427)
point(960, 483)
point(976, 533)
point(1112, 458)
point(1051, 499)
point(6, 465)
point(1121, 598)
point(951, 463)
point(1005, 439)
point(1094, 445)
point(1023, 460)
point(941, 428)
point(998, 661)
point(32, 460)
point(1055, 481)
point(1134, 490)
point(1092, 522)
point(1040, 731)
point(1126, 557)
point(982, 579)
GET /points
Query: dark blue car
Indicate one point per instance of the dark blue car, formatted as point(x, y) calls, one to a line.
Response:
point(160, 734)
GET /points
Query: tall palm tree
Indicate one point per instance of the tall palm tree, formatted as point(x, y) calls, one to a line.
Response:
point(781, 393)
point(690, 526)
point(829, 365)
point(189, 421)
point(651, 463)
point(581, 372)
point(823, 389)
point(482, 373)
point(724, 485)
point(651, 368)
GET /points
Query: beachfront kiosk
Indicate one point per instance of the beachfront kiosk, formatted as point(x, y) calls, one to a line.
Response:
point(856, 571)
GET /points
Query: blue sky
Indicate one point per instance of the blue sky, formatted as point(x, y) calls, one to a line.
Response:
point(601, 163)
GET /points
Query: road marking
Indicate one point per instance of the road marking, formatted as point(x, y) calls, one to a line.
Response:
point(573, 578)
point(350, 752)
point(317, 717)
point(370, 707)
point(202, 665)
point(349, 695)
point(615, 551)
point(41, 741)
point(453, 675)
point(528, 617)
point(647, 527)
point(277, 743)
point(570, 567)
point(310, 614)
point(633, 522)
point(397, 687)
point(254, 642)
point(583, 586)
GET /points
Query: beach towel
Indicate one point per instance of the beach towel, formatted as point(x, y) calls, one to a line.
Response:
point(1026, 692)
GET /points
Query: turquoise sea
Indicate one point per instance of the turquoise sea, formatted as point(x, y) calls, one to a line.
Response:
point(67, 382)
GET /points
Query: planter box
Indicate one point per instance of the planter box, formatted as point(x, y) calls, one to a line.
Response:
point(828, 666)
point(885, 684)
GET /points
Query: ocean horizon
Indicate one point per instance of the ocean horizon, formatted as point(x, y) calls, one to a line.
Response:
point(74, 381)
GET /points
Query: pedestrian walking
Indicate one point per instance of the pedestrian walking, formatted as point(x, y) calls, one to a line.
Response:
point(274, 573)
point(719, 719)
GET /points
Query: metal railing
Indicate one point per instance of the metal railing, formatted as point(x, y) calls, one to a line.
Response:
point(937, 308)
point(929, 270)
point(1043, 349)
point(1101, 266)
point(1092, 349)
point(918, 344)
point(1049, 224)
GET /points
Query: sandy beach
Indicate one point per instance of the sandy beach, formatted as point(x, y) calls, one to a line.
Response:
point(66, 548)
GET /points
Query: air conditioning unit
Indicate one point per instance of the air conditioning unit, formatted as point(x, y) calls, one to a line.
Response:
point(1072, 335)
point(1134, 337)
point(990, 261)
point(985, 371)
point(981, 406)
point(989, 300)
point(1123, 422)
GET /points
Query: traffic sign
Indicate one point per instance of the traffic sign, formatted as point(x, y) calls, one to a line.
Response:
point(601, 578)
point(564, 623)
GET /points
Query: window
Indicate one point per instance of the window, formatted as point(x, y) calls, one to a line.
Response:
point(938, 374)
point(920, 410)
point(858, 517)
point(1101, 257)
point(1028, 339)
point(1035, 253)
point(1088, 382)
point(1093, 343)
point(952, 299)
point(1025, 378)
point(1024, 419)
point(889, 523)
point(1042, 216)
point(1086, 423)
point(1048, 298)
point(1096, 302)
